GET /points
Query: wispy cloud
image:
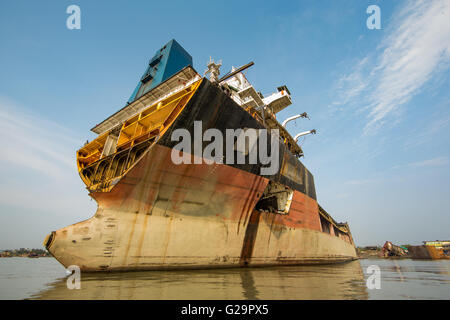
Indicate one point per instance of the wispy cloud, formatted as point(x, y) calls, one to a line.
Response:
point(434, 162)
point(416, 47)
point(351, 85)
point(31, 142)
point(424, 135)
point(439, 161)
point(40, 189)
point(37, 165)
point(359, 182)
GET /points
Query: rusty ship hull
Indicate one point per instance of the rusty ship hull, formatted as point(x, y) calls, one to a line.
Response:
point(154, 214)
point(160, 215)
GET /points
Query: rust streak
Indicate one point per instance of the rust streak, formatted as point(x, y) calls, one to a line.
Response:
point(250, 237)
point(246, 207)
point(129, 240)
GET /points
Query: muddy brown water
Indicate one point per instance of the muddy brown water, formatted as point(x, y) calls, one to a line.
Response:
point(45, 278)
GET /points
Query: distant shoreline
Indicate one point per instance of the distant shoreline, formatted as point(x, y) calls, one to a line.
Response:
point(26, 257)
point(25, 253)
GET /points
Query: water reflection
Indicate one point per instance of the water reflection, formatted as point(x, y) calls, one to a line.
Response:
point(411, 279)
point(342, 281)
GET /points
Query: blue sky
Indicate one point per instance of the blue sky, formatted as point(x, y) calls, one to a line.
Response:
point(379, 99)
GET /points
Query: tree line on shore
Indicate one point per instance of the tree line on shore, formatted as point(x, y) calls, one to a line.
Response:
point(24, 252)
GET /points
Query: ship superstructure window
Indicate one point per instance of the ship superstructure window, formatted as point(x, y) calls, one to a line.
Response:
point(277, 198)
point(155, 61)
point(147, 78)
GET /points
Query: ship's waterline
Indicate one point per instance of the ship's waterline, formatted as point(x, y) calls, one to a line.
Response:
point(154, 213)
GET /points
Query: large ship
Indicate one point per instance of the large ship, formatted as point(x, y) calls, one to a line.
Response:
point(166, 206)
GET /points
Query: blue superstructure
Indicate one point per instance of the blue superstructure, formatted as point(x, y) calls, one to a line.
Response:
point(165, 63)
